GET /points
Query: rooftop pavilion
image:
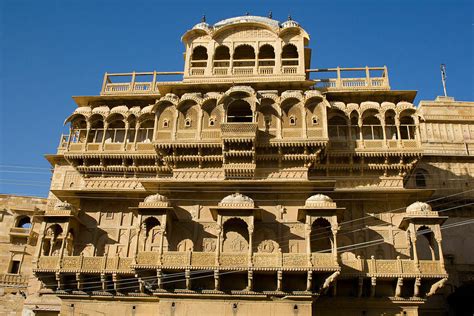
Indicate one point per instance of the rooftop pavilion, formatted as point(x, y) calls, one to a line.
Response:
point(247, 49)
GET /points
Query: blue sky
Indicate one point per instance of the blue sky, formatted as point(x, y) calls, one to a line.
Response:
point(52, 50)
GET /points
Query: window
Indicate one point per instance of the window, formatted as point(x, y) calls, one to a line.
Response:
point(24, 222)
point(420, 179)
point(165, 123)
point(268, 121)
point(15, 267)
point(109, 215)
point(212, 121)
point(187, 122)
point(314, 119)
point(292, 120)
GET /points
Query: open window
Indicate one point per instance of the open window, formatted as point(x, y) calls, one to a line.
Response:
point(239, 111)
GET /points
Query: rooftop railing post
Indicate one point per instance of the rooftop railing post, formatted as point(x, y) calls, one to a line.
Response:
point(132, 84)
point(338, 80)
point(385, 77)
point(153, 84)
point(104, 83)
point(367, 77)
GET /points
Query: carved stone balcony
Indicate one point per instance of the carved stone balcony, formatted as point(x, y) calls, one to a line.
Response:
point(83, 264)
point(13, 280)
point(239, 131)
point(19, 232)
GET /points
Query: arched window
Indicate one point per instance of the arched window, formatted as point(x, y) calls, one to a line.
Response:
point(236, 236)
point(266, 55)
point(371, 128)
point(390, 127)
point(97, 130)
point(24, 222)
point(145, 133)
point(199, 57)
point(426, 245)
point(292, 120)
point(222, 53)
point(239, 111)
point(115, 132)
point(321, 236)
point(407, 128)
point(222, 57)
point(289, 55)
point(199, 53)
point(187, 122)
point(244, 56)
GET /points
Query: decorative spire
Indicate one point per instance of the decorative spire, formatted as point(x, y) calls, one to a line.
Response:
point(289, 17)
point(270, 15)
point(247, 13)
point(203, 19)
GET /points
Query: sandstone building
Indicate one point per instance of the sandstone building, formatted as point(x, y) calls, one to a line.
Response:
point(256, 185)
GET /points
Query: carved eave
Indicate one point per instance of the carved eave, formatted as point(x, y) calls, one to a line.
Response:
point(422, 219)
point(231, 210)
point(315, 211)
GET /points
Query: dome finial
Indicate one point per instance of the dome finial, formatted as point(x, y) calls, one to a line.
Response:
point(203, 19)
point(247, 13)
point(270, 15)
point(289, 17)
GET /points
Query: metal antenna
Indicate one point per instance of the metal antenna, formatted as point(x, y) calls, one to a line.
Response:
point(443, 78)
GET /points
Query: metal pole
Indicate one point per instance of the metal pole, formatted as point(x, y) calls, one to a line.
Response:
point(443, 78)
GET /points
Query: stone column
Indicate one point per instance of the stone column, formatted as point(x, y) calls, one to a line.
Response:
point(162, 237)
point(334, 244)
point(106, 126)
point(440, 251)
point(125, 136)
point(219, 241)
point(199, 124)
point(63, 241)
point(250, 230)
point(308, 241)
point(249, 280)
point(279, 280)
point(309, 281)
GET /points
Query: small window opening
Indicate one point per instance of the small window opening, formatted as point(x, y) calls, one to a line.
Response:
point(109, 215)
point(165, 124)
point(212, 121)
point(24, 222)
point(187, 122)
point(314, 119)
point(15, 267)
point(292, 120)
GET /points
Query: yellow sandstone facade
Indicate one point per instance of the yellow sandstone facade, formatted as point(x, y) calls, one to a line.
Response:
point(253, 187)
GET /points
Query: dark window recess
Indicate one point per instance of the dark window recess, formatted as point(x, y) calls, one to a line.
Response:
point(15, 267)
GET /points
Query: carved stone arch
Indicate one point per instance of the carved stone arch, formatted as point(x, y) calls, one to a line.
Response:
point(76, 118)
point(312, 97)
point(96, 120)
point(165, 100)
point(212, 112)
point(338, 105)
point(189, 111)
point(369, 105)
point(385, 106)
point(236, 235)
point(266, 240)
point(102, 110)
point(269, 115)
point(115, 120)
point(185, 98)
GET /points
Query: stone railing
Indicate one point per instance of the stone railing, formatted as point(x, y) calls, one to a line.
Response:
point(20, 232)
point(13, 280)
point(323, 260)
point(84, 264)
point(371, 78)
point(133, 85)
point(391, 267)
point(234, 260)
point(239, 130)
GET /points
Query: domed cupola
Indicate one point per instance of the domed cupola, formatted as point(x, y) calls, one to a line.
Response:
point(237, 200)
point(289, 23)
point(319, 200)
point(203, 25)
point(420, 208)
point(155, 201)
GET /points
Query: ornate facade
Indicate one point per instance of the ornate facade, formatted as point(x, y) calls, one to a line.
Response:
point(254, 186)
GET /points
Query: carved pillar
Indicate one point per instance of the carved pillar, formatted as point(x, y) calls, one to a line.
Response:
point(398, 289)
point(199, 126)
point(217, 284)
point(360, 286)
point(175, 125)
point(309, 281)
point(373, 283)
point(397, 126)
point(39, 249)
point(137, 242)
point(116, 280)
point(59, 281)
point(250, 230)
point(416, 288)
point(159, 278)
point(103, 282)
point(137, 129)
point(64, 239)
point(88, 130)
point(308, 241)
point(384, 132)
point(440, 251)
point(187, 275)
point(162, 237)
point(250, 280)
point(106, 126)
point(413, 242)
point(278, 124)
point(125, 136)
point(304, 123)
point(79, 282)
point(219, 240)
point(361, 135)
point(279, 280)
point(334, 244)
